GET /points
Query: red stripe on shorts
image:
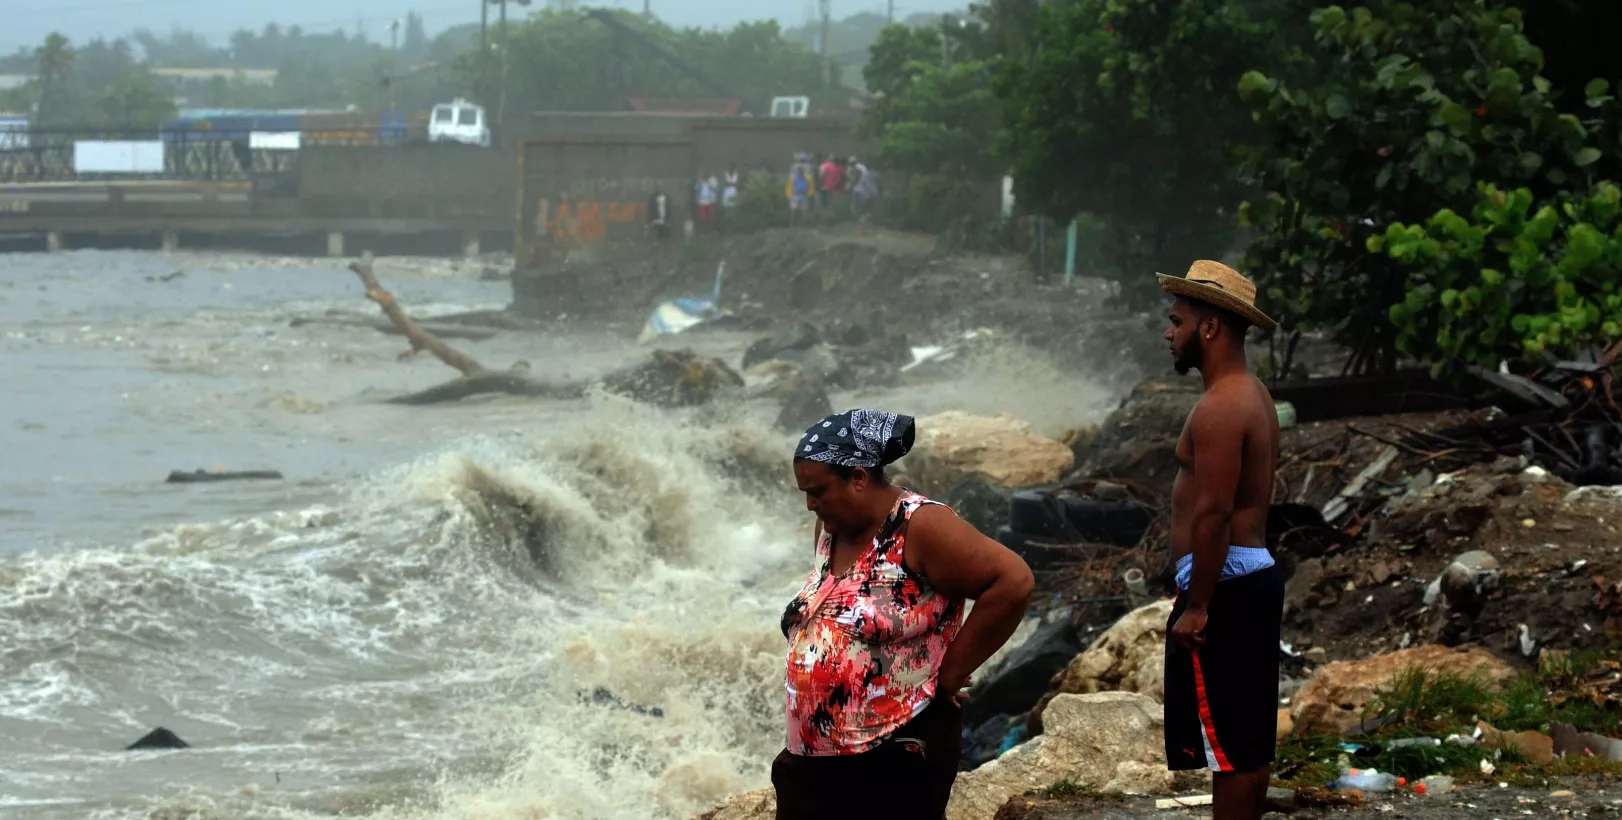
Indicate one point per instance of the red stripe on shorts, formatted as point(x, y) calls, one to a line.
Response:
point(1205, 718)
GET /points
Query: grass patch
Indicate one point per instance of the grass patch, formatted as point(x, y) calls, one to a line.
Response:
point(1071, 790)
point(1578, 689)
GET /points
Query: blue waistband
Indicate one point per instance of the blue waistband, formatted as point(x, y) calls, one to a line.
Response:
point(1241, 561)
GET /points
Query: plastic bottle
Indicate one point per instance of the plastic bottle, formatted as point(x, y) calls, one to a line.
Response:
point(1434, 786)
point(1366, 780)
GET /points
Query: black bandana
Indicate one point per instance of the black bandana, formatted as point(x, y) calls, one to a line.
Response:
point(859, 438)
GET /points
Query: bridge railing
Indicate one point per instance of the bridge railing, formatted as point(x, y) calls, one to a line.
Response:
point(48, 154)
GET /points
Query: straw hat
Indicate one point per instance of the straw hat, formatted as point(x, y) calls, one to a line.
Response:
point(1217, 284)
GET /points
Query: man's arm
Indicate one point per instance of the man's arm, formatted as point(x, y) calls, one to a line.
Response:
point(1218, 439)
point(962, 563)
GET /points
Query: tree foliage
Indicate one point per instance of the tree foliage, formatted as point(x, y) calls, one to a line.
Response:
point(566, 61)
point(932, 124)
point(1516, 276)
point(1126, 111)
point(1412, 107)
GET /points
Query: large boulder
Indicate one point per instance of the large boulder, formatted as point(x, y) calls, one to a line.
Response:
point(674, 378)
point(1089, 738)
point(1128, 657)
point(1139, 440)
point(1334, 700)
point(1021, 680)
point(1002, 451)
point(760, 804)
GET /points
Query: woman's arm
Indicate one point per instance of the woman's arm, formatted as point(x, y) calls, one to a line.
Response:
point(961, 562)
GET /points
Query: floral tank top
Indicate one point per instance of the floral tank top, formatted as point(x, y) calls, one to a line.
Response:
point(863, 663)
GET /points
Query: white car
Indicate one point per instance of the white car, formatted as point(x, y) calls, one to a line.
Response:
point(459, 121)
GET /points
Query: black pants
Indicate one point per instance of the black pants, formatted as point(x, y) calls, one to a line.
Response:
point(1222, 701)
point(907, 777)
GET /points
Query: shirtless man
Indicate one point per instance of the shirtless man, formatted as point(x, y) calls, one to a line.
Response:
point(1222, 638)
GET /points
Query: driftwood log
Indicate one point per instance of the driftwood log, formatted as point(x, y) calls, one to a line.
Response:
point(204, 477)
point(671, 378)
point(476, 378)
point(438, 328)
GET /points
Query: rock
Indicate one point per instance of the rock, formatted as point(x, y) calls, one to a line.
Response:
point(1025, 675)
point(1463, 583)
point(159, 738)
point(1569, 741)
point(1334, 699)
point(1128, 657)
point(805, 403)
point(674, 378)
point(1088, 738)
point(980, 504)
point(1139, 440)
point(1002, 451)
point(780, 345)
point(1281, 800)
point(1286, 723)
point(1302, 584)
point(1534, 746)
point(760, 804)
point(1133, 777)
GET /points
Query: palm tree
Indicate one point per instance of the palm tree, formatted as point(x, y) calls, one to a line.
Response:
point(55, 60)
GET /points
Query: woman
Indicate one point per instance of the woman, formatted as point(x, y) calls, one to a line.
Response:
point(879, 650)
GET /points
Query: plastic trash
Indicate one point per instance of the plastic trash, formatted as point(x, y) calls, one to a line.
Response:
point(1366, 780)
point(1286, 414)
point(1434, 786)
point(1413, 741)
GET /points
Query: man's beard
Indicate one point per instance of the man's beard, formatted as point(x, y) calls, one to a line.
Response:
point(1190, 358)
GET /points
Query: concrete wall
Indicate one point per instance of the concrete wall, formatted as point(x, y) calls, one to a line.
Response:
point(589, 179)
point(433, 179)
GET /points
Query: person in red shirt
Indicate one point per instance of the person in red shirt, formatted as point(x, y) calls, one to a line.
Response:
point(833, 182)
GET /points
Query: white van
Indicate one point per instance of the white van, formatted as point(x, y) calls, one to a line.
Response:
point(791, 107)
point(459, 121)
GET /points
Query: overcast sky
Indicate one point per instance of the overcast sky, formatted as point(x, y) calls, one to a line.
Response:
point(26, 22)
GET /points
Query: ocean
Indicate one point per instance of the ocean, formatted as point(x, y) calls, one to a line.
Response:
point(493, 609)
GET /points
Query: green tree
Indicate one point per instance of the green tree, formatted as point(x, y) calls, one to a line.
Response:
point(137, 102)
point(1126, 111)
point(932, 127)
point(1514, 279)
point(54, 62)
point(565, 60)
point(1409, 108)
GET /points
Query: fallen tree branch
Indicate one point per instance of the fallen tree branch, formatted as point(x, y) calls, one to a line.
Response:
point(512, 383)
point(670, 378)
point(437, 328)
point(420, 339)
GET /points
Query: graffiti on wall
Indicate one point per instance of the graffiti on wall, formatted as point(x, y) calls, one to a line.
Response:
point(584, 221)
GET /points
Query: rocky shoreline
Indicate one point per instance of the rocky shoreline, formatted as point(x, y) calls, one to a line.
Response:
point(1488, 577)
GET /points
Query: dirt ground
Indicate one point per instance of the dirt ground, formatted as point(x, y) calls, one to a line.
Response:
point(1579, 798)
point(1557, 547)
point(1357, 586)
point(884, 283)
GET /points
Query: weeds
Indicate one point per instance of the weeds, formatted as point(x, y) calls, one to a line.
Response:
point(1575, 689)
point(1068, 790)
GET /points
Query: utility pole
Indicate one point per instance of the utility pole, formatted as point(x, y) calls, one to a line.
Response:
point(647, 8)
point(891, 15)
point(394, 62)
point(484, 50)
point(826, 9)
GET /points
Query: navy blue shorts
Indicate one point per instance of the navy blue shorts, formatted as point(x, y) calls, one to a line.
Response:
point(1222, 701)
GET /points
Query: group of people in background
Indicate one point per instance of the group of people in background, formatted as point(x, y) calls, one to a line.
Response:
point(825, 186)
point(833, 185)
point(716, 195)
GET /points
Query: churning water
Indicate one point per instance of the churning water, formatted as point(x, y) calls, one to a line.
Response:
point(497, 609)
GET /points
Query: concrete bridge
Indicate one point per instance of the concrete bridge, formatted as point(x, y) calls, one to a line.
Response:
point(435, 200)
